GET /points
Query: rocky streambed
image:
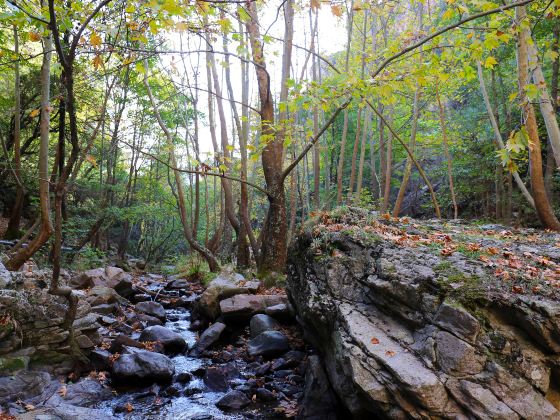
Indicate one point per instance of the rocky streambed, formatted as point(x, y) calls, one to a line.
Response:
point(149, 347)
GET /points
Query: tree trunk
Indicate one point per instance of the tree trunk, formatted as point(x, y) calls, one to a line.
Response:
point(447, 155)
point(12, 230)
point(550, 163)
point(498, 135)
point(17, 260)
point(542, 203)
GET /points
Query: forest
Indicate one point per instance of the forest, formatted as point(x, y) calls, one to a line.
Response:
point(193, 138)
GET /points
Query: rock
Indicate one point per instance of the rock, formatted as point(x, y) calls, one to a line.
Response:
point(23, 386)
point(209, 337)
point(89, 278)
point(101, 295)
point(408, 333)
point(105, 309)
point(149, 320)
point(124, 288)
point(290, 359)
point(84, 342)
point(152, 308)
point(88, 322)
point(222, 287)
point(171, 341)
point(177, 284)
point(100, 359)
point(455, 356)
point(5, 276)
point(183, 377)
point(233, 400)
point(64, 411)
point(282, 312)
point(86, 392)
point(261, 323)
point(319, 401)
point(479, 400)
point(216, 378)
point(458, 321)
point(265, 395)
point(121, 341)
point(268, 344)
point(241, 307)
point(142, 366)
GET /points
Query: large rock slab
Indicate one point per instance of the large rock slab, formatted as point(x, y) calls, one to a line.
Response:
point(242, 307)
point(224, 286)
point(268, 344)
point(153, 309)
point(406, 332)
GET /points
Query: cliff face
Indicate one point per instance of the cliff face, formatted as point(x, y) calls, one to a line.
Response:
point(426, 320)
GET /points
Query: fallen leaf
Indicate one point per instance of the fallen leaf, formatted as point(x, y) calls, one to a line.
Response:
point(390, 353)
point(374, 340)
point(129, 408)
point(62, 391)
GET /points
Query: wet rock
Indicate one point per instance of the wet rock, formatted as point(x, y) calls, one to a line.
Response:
point(84, 342)
point(102, 295)
point(209, 337)
point(100, 359)
point(64, 411)
point(183, 377)
point(177, 284)
point(290, 359)
point(23, 386)
point(125, 288)
point(283, 312)
point(241, 307)
point(216, 378)
point(265, 395)
point(105, 309)
point(261, 323)
point(152, 308)
point(233, 400)
point(222, 287)
point(140, 297)
point(86, 392)
point(123, 340)
point(143, 366)
point(268, 344)
point(149, 320)
point(89, 278)
point(171, 341)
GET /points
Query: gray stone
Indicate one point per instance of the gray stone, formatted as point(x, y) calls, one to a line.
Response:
point(233, 400)
point(268, 344)
point(149, 320)
point(171, 341)
point(5, 277)
point(209, 336)
point(152, 309)
point(23, 386)
point(456, 357)
point(241, 307)
point(319, 400)
point(224, 286)
point(142, 366)
point(457, 321)
point(261, 323)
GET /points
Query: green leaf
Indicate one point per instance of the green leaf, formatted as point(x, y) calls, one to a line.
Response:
point(532, 91)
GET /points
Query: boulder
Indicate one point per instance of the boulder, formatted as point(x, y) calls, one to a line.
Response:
point(209, 337)
point(89, 278)
point(5, 277)
point(233, 400)
point(319, 400)
point(105, 309)
point(102, 295)
point(152, 308)
point(121, 340)
point(124, 288)
point(171, 341)
point(216, 378)
point(242, 307)
point(149, 320)
point(282, 312)
point(86, 392)
point(406, 332)
point(222, 287)
point(142, 366)
point(23, 386)
point(261, 323)
point(268, 344)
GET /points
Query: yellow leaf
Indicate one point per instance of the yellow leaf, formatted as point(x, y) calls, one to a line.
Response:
point(181, 26)
point(34, 113)
point(95, 39)
point(336, 10)
point(97, 61)
point(34, 36)
point(490, 62)
point(512, 96)
point(315, 4)
point(448, 14)
point(92, 160)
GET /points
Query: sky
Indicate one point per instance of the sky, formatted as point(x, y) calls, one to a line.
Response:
point(331, 37)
